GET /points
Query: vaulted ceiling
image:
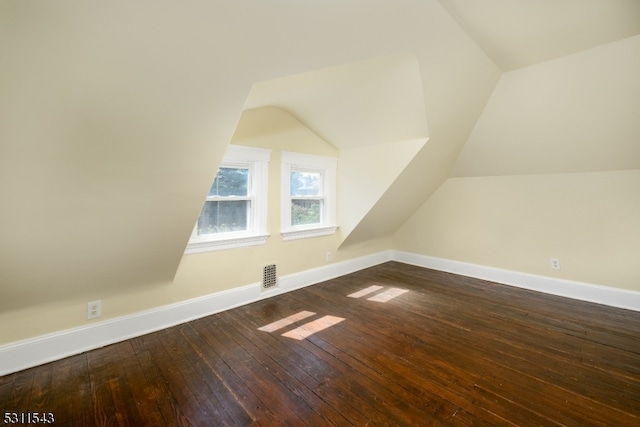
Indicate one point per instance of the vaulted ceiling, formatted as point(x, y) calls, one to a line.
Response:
point(358, 104)
point(381, 100)
point(519, 33)
point(114, 115)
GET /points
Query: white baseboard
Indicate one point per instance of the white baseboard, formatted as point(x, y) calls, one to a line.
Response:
point(47, 348)
point(614, 297)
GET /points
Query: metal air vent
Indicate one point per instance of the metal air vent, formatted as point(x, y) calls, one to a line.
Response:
point(269, 277)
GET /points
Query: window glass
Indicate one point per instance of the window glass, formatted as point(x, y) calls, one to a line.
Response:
point(306, 183)
point(306, 212)
point(231, 182)
point(234, 214)
point(223, 217)
point(308, 192)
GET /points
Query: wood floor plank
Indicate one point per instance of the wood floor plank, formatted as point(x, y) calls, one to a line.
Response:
point(431, 407)
point(581, 414)
point(472, 321)
point(332, 380)
point(393, 345)
point(41, 389)
point(131, 387)
point(510, 354)
point(426, 371)
point(20, 397)
point(158, 386)
point(307, 368)
point(271, 391)
point(227, 410)
point(6, 385)
point(172, 369)
point(71, 398)
point(217, 354)
point(100, 372)
point(340, 379)
point(287, 373)
point(197, 377)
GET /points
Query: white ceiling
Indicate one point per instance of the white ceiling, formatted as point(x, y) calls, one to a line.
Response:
point(519, 33)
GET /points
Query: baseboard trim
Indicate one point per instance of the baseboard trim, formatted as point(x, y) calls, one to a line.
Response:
point(614, 297)
point(36, 351)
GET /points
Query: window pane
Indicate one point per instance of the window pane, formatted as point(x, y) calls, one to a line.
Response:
point(306, 183)
point(223, 217)
point(306, 212)
point(230, 182)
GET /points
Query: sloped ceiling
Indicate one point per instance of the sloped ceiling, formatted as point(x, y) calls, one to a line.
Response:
point(519, 33)
point(364, 103)
point(578, 113)
point(114, 115)
point(373, 111)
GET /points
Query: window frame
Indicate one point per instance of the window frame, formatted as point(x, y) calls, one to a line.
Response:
point(292, 162)
point(256, 160)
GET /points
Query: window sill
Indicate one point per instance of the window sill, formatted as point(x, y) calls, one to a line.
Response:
point(224, 244)
point(308, 232)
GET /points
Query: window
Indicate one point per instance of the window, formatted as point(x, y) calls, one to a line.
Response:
point(235, 210)
point(308, 195)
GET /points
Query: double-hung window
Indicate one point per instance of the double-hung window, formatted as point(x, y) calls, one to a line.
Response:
point(235, 210)
point(308, 195)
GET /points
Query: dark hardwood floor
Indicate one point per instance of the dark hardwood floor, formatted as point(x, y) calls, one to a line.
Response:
point(392, 345)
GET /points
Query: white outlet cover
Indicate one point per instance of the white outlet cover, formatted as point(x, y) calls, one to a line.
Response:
point(94, 309)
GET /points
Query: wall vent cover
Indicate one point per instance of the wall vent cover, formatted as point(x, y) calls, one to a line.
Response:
point(269, 277)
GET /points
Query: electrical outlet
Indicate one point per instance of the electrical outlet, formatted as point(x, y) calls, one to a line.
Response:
point(555, 263)
point(329, 256)
point(94, 309)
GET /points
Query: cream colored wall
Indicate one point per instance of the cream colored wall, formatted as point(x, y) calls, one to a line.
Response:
point(551, 169)
point(112, 114)
point(272, 128)
point(579, 113)
point(205, 273)
point(365, 174)
point(590, 221)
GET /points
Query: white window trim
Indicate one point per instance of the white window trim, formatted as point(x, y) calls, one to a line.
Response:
point(327, 165)
point(257, 160)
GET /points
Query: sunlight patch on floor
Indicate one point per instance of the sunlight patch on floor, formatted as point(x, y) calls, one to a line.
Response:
point(282, 323)
point(387, 295)
point(366, 291)
point(383, 296)
point(311, 328)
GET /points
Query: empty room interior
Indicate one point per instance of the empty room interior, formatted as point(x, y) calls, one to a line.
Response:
point(358, 212)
